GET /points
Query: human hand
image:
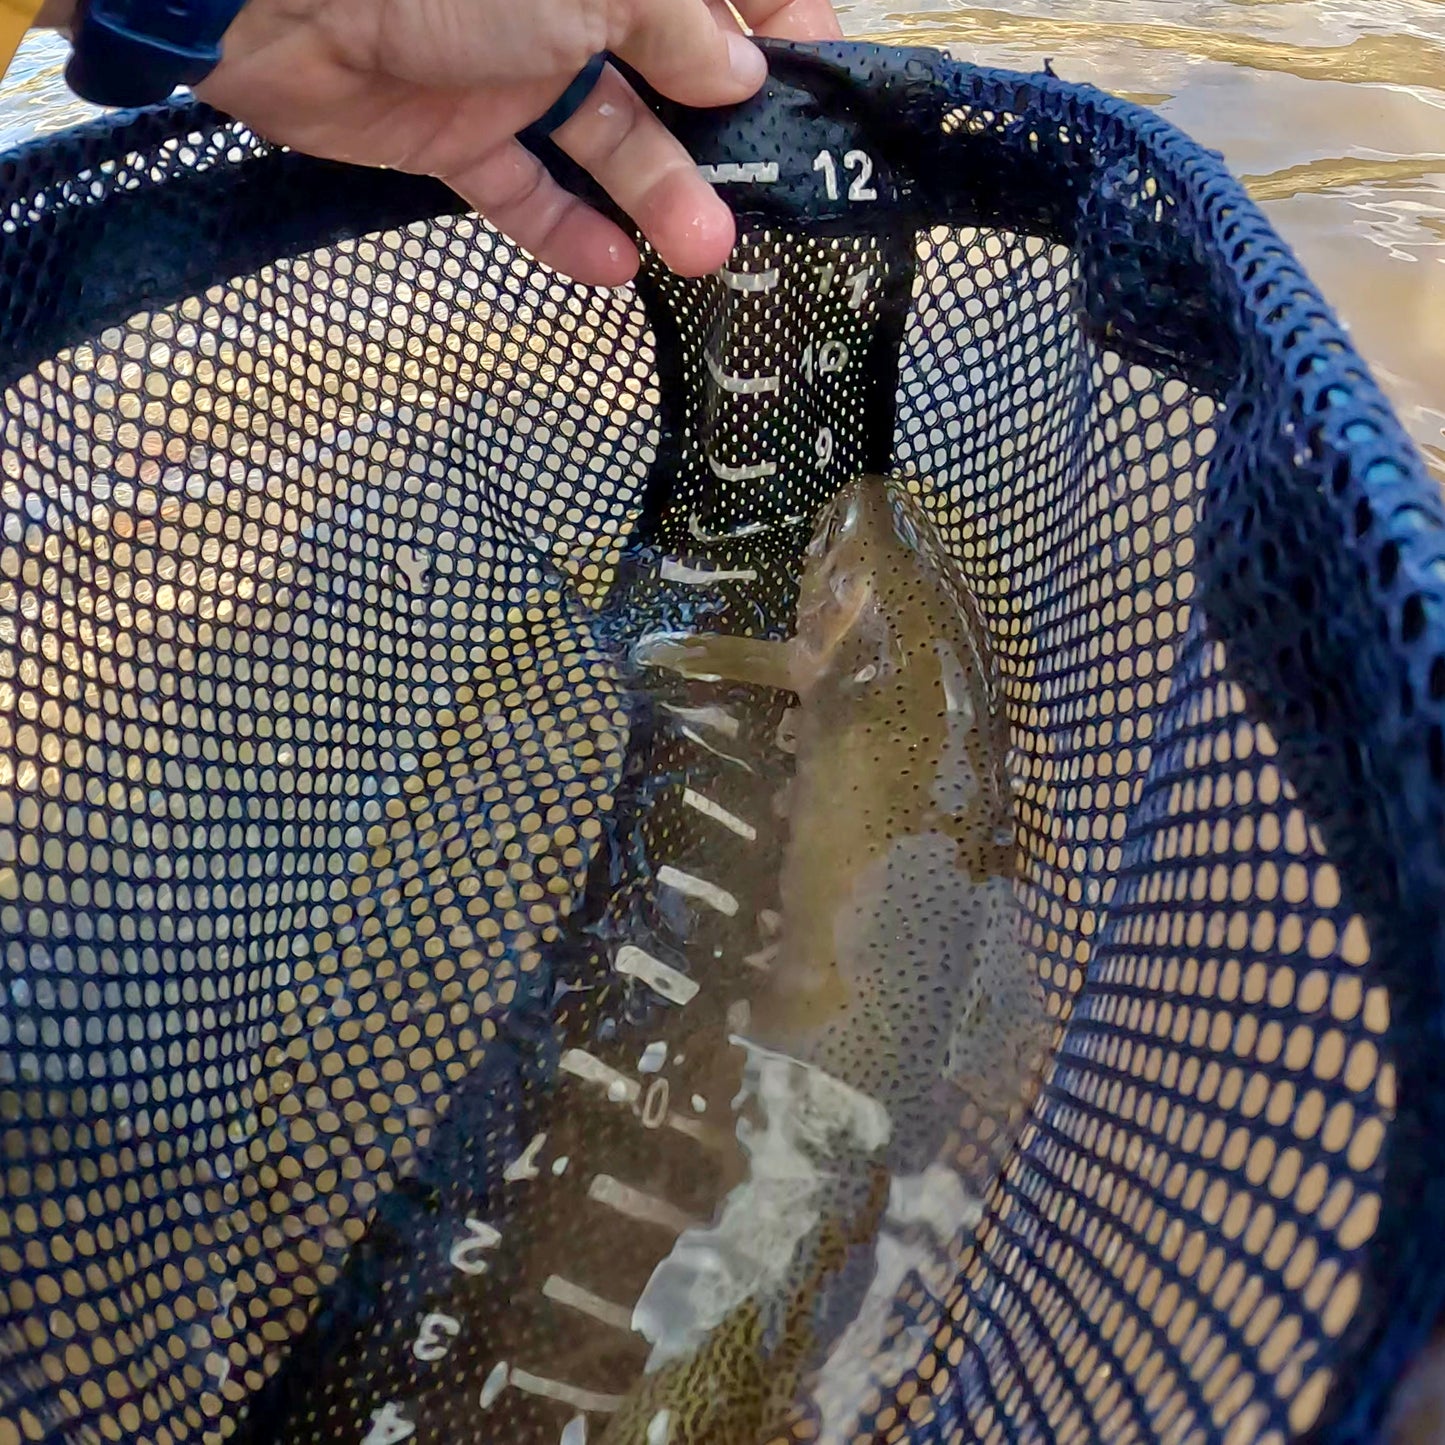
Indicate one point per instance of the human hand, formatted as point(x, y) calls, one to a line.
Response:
point(442, 87)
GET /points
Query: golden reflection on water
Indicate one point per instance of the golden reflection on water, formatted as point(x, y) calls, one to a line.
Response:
point(1331, 112)
point(34, 100)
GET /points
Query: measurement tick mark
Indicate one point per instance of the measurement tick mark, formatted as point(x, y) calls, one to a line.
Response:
point(564, 1292)
point(645, 1208)
point(691, 886)
point(660, 977)
point(742, 385)
point(752, 173)
point(719, 814)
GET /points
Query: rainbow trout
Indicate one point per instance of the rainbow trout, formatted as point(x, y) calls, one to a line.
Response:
point(898, 991)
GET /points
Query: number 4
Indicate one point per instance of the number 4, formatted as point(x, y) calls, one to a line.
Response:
point(388, 1425)
point(858, 188)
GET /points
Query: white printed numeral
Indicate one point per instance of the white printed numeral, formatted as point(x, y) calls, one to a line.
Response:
point(858, 187)
point(388, 1425)
point(434, 1338)
point(824, 447)
point(832, 356)
point(467, 1254)
point(858, 281)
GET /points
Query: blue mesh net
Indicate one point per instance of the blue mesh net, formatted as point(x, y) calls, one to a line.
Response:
point(340, 845)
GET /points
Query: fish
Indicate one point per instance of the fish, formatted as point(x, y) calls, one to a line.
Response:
point(898, 998)
point(1416, 1411)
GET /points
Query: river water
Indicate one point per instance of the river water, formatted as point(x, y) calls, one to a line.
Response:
point(1331, 111)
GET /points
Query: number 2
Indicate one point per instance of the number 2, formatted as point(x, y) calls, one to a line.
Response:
point(467, 1254)
point(858, 187)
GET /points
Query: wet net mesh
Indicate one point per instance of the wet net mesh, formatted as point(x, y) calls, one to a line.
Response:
point(350, 884)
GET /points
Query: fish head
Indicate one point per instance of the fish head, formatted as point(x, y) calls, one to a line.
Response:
point(901, 697)
point(839, 574)
point(876, 583)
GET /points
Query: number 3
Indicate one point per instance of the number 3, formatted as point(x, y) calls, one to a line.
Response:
point(433, 1339)
point(858, 188)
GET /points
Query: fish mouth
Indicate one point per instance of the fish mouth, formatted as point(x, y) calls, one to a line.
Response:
point(837, 585)
point(869, 501)
point(825, 620)
point(844, 516)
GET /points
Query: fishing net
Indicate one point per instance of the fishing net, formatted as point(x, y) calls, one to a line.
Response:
point(362, 904)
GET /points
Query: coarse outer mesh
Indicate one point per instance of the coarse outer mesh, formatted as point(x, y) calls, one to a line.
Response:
point(331, 818)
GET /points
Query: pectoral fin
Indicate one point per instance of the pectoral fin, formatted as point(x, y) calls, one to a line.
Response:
point(716, 657)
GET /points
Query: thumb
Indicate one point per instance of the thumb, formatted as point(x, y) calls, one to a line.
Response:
point(692, 52)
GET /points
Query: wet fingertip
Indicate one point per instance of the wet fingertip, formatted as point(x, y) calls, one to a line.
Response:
point(746, 63)
point(621, 262)
point(699, 245)
point(610, 265)
point(590, 262)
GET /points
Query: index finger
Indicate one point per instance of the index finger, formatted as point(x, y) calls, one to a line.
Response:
point(791, 19)
point(645, 169)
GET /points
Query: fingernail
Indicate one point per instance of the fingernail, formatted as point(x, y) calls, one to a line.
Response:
point(748, 64)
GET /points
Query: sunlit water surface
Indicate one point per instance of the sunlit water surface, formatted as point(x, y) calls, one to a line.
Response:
point(1331, 111)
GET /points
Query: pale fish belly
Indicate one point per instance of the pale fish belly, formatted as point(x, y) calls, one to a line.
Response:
point(805, 1119)
point(924, 951)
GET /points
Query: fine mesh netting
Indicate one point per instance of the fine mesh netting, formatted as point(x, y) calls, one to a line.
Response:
point(365, 908)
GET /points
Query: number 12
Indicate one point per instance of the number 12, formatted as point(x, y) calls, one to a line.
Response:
point(858, 187)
